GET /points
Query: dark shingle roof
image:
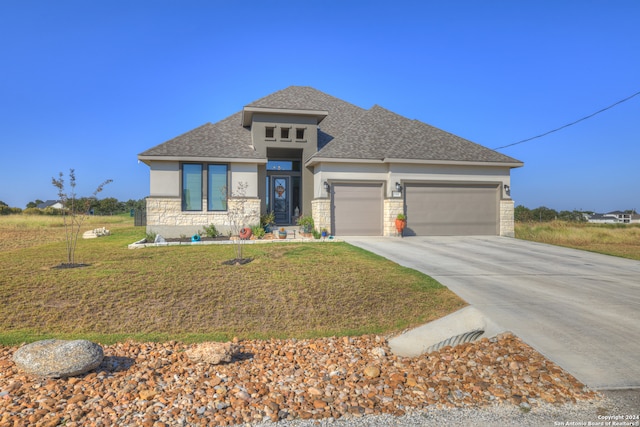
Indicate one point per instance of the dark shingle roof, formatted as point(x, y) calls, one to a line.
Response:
point(225, 138)
point(380, 134)
point(48, 203)
point(348, 132)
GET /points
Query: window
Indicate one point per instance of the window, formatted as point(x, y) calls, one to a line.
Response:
point(191, 187)
point(217, 187)
point(283, 165)
point(284, 133)
point(269, 132)
point(299, 133)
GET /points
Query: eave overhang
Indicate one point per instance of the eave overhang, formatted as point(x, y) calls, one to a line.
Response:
point(148, 159)
point(316, 160)
point(248, 112)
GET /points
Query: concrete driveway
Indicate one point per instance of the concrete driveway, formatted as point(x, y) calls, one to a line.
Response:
point(579, 309)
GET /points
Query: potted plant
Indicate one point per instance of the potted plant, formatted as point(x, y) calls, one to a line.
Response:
point(282, 233)
point(401, 222)
point(267, 220)
point(306, 223)
point(324, 233)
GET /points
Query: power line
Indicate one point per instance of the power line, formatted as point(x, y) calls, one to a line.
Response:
point(570, 124)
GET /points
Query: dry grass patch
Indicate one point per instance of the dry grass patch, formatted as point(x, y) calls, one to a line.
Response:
point(610, 239)
point(185, 292)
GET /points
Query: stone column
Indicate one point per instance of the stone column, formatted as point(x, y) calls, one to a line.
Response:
point(392, 207)
point(507, 223)
point(321, 212)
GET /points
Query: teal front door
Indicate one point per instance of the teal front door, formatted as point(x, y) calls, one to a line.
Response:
point(281, 199)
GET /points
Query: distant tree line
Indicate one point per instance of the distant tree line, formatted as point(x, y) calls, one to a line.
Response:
point(545, 214)
point(106, 206)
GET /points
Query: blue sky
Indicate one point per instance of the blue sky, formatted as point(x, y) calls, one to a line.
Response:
point(90, 84)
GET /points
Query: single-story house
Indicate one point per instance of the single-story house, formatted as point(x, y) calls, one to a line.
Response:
point(615, 217)
point(55, 204)
point(300, 151)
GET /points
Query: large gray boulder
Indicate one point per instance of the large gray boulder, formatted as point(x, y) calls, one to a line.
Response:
point(58, 358)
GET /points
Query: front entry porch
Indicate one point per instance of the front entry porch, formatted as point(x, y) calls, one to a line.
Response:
point(283, 190)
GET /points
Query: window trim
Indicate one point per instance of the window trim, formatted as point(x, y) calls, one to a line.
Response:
point(205, 185)
point(183, 199)
point(273, 130)
point(226, 195)
point(288, 130)
point(304, 131)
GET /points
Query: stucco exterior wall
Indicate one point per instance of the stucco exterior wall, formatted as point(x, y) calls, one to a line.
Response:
point(164, 179)
point(244, 173)
point(397, 172)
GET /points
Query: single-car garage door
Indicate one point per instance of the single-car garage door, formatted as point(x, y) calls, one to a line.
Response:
point(357, 209)
point(451, 209)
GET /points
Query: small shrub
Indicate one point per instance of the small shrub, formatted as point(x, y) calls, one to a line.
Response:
point(258, 231)
point(51, 211)
point(306, 223)
point(32, 211)
point(316, 234)
point(151, 236)
point(267, 219)
point(210, 231)
point(6, 210)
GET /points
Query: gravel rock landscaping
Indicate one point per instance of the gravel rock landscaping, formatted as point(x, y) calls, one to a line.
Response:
point(288, 381)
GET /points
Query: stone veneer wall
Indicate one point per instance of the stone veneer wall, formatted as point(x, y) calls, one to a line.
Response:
point(321, 213)
point(165, 217)
point(507, 223)
point(392, 207)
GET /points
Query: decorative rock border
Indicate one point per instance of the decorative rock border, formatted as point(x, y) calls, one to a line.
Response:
point(153, 384)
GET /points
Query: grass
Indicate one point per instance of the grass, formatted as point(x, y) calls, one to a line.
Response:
point(622, 240)
point(186, 293)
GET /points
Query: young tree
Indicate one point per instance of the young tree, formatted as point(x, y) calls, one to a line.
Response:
point(239, 216)
point(73, 212)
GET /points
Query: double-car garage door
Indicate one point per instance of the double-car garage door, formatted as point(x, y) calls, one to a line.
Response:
point(451, 209)
point(432, 209)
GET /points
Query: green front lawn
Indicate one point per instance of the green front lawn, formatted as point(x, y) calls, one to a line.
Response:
point(186, 293)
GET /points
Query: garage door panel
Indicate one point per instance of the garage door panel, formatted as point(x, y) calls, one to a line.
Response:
point(357, 209)
point(441, 210)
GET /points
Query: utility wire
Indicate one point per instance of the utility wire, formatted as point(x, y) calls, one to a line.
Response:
point(570, 124)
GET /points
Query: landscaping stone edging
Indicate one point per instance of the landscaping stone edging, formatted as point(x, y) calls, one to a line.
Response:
point(326, 378)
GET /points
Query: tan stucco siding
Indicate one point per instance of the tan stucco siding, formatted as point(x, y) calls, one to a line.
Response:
point(164, 179)
point(244, 173)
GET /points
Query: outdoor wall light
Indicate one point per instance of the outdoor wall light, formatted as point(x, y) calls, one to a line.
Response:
point(507, 189)
point(327, 187)
point(398, 186)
